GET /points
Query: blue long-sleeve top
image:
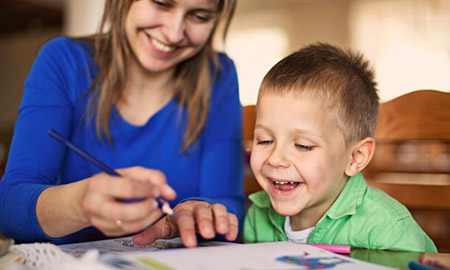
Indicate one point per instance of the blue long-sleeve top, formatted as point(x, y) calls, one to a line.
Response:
point(54, 98)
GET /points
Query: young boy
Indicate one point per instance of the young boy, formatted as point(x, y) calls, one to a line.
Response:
point(316, 113)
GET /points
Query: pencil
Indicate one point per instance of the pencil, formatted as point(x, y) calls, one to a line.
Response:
point(341, 249)
point(162, 204)
point(418, 266)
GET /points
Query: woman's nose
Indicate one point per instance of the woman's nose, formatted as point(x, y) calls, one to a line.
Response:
point(278, 158)
point(174, 28)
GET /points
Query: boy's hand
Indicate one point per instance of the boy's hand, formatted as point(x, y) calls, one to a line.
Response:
point(192, 217)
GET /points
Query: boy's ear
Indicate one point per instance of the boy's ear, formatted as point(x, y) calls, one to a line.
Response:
point(361, 155)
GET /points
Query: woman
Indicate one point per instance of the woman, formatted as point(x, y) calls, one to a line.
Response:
point(151, 99)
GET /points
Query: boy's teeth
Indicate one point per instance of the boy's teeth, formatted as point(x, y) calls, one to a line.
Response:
point(285, 185)
point(161, 46)
point(284, 182)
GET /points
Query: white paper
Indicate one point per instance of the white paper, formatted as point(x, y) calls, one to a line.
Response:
point(261, 256)
point(125, 244)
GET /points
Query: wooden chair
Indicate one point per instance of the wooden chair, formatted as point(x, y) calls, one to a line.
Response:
point(412, 159)
point(249, 118)
point(5, 141)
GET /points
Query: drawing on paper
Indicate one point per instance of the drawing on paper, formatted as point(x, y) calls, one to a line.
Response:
point(156, 265)
point(313, 262)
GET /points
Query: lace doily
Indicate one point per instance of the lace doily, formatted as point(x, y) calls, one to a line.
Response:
point(46, 256)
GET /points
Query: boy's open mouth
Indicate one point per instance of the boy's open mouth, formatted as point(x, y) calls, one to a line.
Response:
point(284, 185)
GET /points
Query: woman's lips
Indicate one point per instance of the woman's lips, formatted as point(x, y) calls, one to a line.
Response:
point(159, 47)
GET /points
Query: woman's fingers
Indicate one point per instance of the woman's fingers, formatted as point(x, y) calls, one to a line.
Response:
point(115, 218)
point(155, 177)
point(120, 227)
point(164, 229)
point(218, 220)
point(234, 227)
point(205, 220)
point(108, 208)
point(105, 204)
point(222, 224)
point(192, 217)
point(122, 187)
point(186, 224)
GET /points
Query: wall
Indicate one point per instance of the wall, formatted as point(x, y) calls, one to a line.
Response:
point(17, 52)
point(82, 17)
point(298, 22)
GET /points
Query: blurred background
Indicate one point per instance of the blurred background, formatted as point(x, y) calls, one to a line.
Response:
point(407, 42)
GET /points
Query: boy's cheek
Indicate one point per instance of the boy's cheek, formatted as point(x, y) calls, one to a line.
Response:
point(256, 161)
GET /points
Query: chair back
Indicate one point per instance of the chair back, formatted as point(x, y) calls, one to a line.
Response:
point(249, 119)
point(412, 158)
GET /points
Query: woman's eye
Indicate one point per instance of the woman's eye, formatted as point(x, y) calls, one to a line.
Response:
point(160, 4)
point(303, 147)
point(266, 142)
point(201, 18)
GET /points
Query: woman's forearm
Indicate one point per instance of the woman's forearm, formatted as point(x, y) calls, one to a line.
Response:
point(59, 211)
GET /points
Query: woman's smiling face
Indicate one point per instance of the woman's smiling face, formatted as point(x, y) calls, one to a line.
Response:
point(163, 33)
point(299, 156)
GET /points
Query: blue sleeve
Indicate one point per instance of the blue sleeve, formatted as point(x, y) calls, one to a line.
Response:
point(34, 159)
point(223, 159)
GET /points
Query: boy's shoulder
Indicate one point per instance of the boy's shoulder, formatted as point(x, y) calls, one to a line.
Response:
point(382, 203)
point(359, 198)
point(382, 221)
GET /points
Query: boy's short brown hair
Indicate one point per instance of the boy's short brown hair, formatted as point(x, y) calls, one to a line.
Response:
point(342, 77)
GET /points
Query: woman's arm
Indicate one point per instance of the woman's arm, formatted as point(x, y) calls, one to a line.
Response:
point(219, 206)
point(34, 160)
point(223, 157)
point(34, 205)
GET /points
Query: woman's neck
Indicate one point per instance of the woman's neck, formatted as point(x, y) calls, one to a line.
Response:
point(142, 83)
point(145, 94)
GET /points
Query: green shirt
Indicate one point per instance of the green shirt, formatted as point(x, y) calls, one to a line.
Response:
point(361, 216)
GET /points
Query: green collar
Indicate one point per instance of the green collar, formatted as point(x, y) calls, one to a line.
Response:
point(350, 198)
point(262, 200)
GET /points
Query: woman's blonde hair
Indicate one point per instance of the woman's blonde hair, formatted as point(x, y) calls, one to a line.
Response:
point(192, 77)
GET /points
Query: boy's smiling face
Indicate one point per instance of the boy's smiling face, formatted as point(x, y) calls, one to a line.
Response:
point(299, 155)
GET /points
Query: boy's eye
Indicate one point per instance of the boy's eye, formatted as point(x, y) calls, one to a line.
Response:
point(303, 147)
point(266, 142)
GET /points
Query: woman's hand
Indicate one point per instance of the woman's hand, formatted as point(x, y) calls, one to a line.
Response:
point(103, 206)
point(192, 217)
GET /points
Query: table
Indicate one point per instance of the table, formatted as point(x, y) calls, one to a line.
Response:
point(398, 259)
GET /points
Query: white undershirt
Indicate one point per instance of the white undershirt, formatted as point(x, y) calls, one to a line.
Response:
point(299, 237)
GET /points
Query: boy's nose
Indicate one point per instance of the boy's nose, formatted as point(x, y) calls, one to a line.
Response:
point(278, 159)
point(174, 28)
